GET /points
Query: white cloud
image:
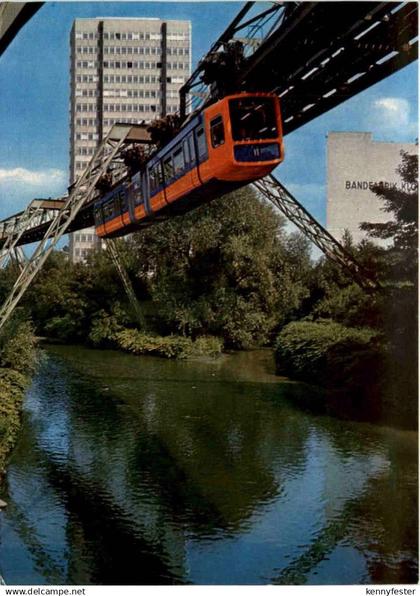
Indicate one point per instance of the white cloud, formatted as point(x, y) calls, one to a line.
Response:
point(18, 186)
point(34, 178)
point(389, 114)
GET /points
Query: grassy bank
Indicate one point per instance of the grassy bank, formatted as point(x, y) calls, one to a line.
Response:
point(17, 362)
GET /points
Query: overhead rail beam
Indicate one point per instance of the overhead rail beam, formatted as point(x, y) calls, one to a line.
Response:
point(13, 16)
point(12, 230)
point(315, 55)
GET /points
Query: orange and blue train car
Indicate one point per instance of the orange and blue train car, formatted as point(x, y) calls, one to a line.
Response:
point(229, 144)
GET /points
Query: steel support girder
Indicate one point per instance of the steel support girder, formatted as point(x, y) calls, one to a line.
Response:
point(82, 192)
point(117, 259)
point(18, 257)
point(271, 189)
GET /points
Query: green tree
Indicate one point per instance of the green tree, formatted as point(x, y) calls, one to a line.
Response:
point(402, 228)
point(228, 269)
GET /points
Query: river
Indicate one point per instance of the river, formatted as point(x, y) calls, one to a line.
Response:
point(139, 470)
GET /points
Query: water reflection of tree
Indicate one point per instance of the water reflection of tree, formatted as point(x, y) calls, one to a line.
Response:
point(51, 570)
point(211, 464)
point(381, 524)
point(151, 465)
point(102, 538)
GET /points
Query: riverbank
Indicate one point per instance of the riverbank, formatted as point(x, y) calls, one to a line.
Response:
point(17, 363)
point(354, 371)
point(12, 391)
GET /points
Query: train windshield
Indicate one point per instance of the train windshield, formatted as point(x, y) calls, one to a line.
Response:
point(253, 118)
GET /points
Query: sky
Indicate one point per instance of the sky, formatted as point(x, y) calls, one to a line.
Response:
point(34, 103)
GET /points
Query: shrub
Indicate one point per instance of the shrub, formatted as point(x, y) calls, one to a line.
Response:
point(136, 342)
point(17, 347)
point(104, 329)
point(208, 345)
point(171, 346)
point(12, 385)
point(329, 354)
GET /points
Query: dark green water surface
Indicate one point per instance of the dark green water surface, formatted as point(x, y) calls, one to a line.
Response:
point(133, 470)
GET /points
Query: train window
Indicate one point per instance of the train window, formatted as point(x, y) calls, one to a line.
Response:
point(186, 148)
point(153, 179)
point(156, 178)
point(217, 131)
point(201, 142)
point(179, 161)
point(109, 209)
point(191, 146)
point(159, 173)
point(138, 197)
point(253, 118)
point(123, 202)
point(168, 168)
point(98, 214)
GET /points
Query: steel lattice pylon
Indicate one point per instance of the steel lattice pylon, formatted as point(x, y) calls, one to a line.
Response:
point(278, 194)
point(82, 192)
point(120, 267)
point(13, 228)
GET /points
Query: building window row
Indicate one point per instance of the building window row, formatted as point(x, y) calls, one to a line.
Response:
point(108, 122)
point(81, 165)
point(175, 80)
point(127, 36)
point(82, 252)
point(136, 65)
point(87, 93)
point(87, 78)
point(86, 50)
point(86, 107)
point(89, 35)
point(178, 51)
point(148, 51)
point(87, 122)
point(85, 150)
point(110, 107)
point(132, 93)
point(87, 136)
point(178, 36)
point(84, 238)
point(131, 79)
point(132, 50)
point(86, 64)
point(132, 64)
point(111, 121)
point(178, 65)
point(131, 36)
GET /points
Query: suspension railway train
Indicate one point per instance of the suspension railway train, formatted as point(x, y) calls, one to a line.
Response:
point(229, 144)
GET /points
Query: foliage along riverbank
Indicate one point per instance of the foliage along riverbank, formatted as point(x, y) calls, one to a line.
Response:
point(229, 276)
point(17, 362)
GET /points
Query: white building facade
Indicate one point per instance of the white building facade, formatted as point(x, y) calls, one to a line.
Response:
point(355, 162)
point(121, 70)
